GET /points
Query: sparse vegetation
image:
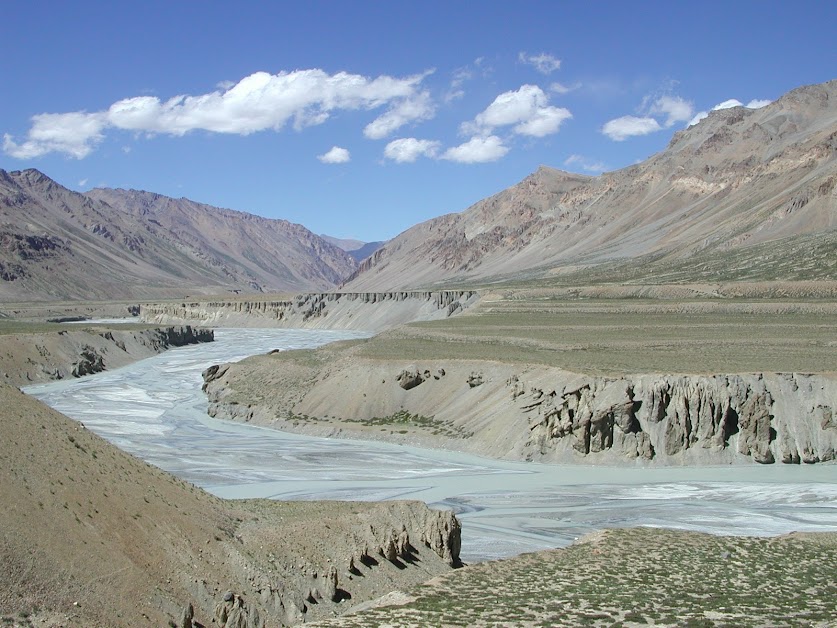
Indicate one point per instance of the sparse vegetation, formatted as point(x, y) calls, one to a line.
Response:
point(416, 421)
point(635, 577)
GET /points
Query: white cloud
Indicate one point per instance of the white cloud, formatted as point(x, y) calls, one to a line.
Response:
point(408, 149)
point(729, 104)
point(477, 150)
point(757, 103)
point(527, 109)
point(543, 63)
point(700, 115)
point(629, 126)
point(658, 112)
point(82, 183)
point(544, 121)
point(585, 163)
point(258, 102)
point(336, 155)
point(75, 134)
point(674, 108)
point(418, 108)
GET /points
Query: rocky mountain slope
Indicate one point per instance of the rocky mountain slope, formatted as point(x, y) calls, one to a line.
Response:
point(110, 244)
point(731, 185)
point(91, 536)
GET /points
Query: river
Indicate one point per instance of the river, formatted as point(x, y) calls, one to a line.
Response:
point(155, 410)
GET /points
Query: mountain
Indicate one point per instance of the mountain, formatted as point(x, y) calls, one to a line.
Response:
point(108, 244)
point(356, 248)
point(743, 187)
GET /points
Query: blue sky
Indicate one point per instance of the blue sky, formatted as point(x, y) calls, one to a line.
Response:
point(360, 119)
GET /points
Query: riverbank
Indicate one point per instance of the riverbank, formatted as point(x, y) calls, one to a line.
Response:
point(31, 353)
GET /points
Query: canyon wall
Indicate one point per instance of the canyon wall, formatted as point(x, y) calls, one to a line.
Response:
point(370, 311)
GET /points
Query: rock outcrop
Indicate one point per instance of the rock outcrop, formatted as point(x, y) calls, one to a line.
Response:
point(370, 311)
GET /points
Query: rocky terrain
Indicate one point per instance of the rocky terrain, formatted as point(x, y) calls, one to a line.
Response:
point(371, 311)
point(111, 244)
point(740, 188)
point(633, 577)
point(91, 536)
point(31, 354)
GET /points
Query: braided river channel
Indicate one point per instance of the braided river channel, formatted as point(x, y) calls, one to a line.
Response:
point(155, 409)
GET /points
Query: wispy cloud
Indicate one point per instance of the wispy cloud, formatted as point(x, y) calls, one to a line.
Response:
point(560, 88)
point(418, 108)
point(543, 62)
point(585, 163)
point(258, 102)
point(336, 155)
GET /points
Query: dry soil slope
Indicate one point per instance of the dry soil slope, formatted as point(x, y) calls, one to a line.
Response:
point(56, 243)
point(91, 536)
point(738, 178)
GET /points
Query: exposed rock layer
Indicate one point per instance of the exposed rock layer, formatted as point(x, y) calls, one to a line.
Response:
point(540, 413)
point(370, 311)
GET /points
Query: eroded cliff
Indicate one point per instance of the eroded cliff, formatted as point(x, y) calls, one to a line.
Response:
point(370, 311)
point(536, 412)
point(28, 358)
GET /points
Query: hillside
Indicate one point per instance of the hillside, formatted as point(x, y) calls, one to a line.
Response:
point(91, 536)
point(742, 185)
point(59, 244)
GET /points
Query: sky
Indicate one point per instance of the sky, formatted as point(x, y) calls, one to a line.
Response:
point(360, 119)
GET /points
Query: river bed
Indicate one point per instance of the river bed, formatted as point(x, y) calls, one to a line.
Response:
point(155, 409)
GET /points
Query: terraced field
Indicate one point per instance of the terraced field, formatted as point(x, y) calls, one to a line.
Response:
point(619, 336)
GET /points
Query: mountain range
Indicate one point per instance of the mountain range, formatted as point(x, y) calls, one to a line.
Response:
point(105, 244)
point(744, 194)
point(741, 185)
